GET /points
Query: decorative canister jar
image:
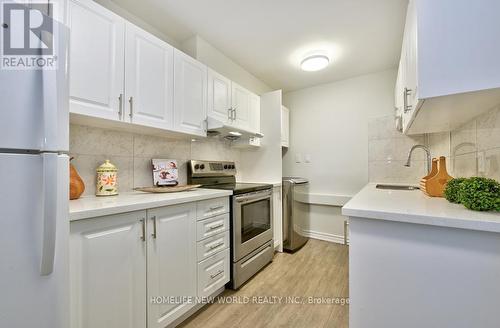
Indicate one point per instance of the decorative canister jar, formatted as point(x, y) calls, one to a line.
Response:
point(107, 175)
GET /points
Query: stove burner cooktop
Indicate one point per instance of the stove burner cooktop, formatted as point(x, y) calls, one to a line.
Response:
point(240, 188)
point(220, 175)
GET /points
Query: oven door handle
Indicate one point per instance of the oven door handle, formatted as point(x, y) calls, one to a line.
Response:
point(251, 199)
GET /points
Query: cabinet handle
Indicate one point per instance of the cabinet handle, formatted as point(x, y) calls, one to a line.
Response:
point(131, 103)
point(406, 93)
point(214, 208)
point(120, 106)
point(217, 274)
point(154, 227)
point(229, 113)
point(216, 246)
point(234, 113)
point(143, 223)
point(216, 226)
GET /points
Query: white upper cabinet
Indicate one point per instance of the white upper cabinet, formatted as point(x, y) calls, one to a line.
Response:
point(232, 104)
point(241, 107)
point(285, 126)
point(449, 70)
point(120, 72)
point(149, 81)
point(219, 97)
point(96, 60)
point(190, 94)
point(172, 261)
point(108, 271)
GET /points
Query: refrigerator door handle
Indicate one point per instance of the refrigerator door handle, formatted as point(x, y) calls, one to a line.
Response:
point(50, 111)
point(50, 206)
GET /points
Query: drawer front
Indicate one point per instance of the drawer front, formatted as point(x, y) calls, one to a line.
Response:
point(212, 245)
point(212, 226)
point(213, 273)
point(212, 207)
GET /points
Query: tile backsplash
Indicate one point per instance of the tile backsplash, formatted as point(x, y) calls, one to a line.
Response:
point(132, 154)
point(471, 150)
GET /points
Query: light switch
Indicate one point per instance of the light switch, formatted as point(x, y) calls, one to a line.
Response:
point(307, 158)
point(298, 158)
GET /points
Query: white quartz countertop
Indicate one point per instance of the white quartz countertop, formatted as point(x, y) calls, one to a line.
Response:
point(92, 206)
point(416, 207)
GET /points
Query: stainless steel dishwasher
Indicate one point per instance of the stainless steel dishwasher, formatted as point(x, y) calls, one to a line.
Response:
point(295, 213)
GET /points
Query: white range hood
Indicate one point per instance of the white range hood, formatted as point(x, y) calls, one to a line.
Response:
point(228, 131)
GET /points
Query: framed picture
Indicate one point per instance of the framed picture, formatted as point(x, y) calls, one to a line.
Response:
point(165, 172)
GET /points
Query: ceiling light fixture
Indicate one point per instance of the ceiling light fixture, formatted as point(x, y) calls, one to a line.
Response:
point(314, 63)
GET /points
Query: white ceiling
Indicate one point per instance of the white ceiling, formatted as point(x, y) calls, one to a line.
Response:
point(270, 37)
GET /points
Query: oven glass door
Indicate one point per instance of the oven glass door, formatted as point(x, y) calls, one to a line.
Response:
point(252, 222)
point(255, 219)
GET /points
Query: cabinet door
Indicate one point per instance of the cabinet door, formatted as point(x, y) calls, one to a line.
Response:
point(149, 79)
point(408, 66)
point(285, 126)
point(108, 272)
point(171, 261)
point(241, 105)
point(96, 60)
point(219, 97)
point(254, 113)
point(398, 90)
point(213, 273)
point(190, 95)
point(411, 56)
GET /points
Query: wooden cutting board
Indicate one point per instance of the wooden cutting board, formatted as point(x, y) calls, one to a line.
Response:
point(162, 190)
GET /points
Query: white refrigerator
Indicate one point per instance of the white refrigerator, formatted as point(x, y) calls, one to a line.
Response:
point(34, 183)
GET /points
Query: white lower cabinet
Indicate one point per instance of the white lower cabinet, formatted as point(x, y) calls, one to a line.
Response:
point(212, 245)
point(212, 226)
point(171, 262)
point(147, 268)
point(213, 273)
point(108, 272)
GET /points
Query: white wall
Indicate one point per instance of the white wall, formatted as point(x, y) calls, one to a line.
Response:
point(212, 57)
point(329, 125)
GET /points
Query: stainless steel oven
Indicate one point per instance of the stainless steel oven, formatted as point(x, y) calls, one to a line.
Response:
point(252, 222)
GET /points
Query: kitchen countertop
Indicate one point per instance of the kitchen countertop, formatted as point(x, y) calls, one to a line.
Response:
point(416, 207)
point(92, 206)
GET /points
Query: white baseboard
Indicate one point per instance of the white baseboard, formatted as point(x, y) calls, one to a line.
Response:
point(338, 239)
point(277, 246)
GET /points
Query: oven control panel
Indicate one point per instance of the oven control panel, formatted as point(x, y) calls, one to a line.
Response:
point(211, 168)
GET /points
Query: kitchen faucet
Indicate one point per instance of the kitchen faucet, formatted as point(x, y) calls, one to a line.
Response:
point(427, 152)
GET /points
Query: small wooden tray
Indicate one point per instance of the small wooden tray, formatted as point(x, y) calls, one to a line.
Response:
point(166, 189)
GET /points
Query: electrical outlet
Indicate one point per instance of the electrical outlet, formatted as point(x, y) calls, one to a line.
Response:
point(298, 158)
point(307, 158)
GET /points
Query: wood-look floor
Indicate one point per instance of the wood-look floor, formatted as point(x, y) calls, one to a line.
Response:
point(319, 269)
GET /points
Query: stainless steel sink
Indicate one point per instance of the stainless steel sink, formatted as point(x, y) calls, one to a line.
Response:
point(396, 187)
